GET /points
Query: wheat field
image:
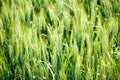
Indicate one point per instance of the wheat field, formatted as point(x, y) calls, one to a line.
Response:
point(59, 39)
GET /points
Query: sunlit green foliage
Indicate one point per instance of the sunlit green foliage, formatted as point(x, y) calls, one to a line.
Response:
point(59, 39)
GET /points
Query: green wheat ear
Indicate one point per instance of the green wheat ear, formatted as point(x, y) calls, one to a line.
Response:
point(119, 39)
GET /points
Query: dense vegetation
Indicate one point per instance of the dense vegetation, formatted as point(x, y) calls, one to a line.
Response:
point(59, 39)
